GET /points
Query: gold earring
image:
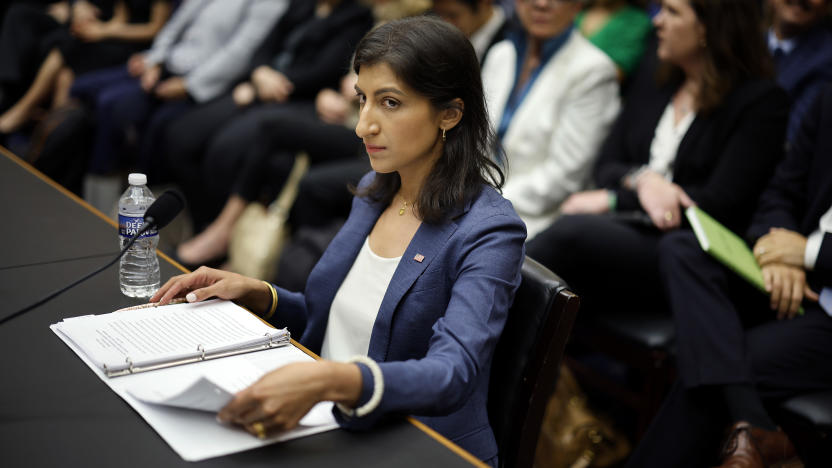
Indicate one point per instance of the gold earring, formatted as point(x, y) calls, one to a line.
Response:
point(443, 134)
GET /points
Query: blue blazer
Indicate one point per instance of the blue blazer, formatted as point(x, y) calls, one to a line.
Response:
point(440, 318)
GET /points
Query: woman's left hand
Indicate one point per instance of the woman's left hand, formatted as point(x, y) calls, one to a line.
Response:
point(282, 397)
point(662, 200)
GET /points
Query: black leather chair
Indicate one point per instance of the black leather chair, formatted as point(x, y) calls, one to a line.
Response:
point(640, 341)
point(807, 419)
point(526, 362)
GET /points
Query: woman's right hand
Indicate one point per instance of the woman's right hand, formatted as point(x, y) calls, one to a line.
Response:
point(205, 283)
point(587, 202)
point(662, 200)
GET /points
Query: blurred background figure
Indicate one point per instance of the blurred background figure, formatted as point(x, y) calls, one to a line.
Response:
point(199, 54)
point(552, 97)
point(800, 40)
point(228, 152)
point(619, 28)
point(710, 132)
point(100, 34)
point(482, 21)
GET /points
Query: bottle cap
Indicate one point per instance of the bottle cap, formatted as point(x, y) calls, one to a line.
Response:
point(137, 179)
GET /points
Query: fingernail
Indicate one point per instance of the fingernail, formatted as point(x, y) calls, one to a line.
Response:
point(191, 297)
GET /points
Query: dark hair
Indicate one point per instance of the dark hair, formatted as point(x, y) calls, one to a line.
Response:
point(735, 48)
point(436, 60)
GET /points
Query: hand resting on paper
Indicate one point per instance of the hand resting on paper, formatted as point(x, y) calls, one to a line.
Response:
point(206, 283)
point(282, 397)
point(279, 400)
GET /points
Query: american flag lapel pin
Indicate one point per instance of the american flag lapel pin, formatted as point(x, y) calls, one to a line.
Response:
point(419, 257)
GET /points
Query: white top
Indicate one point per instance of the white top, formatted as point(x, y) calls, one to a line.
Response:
point(553, 138)
point(483, 36)
point(355, 307)
point(810, 255)
point(786, 45)
point(666, 141)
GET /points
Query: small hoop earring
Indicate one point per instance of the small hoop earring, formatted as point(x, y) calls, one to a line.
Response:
point(443, 134)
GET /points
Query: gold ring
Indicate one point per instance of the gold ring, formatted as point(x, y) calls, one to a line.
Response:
point(260, 429)
point(668, 216)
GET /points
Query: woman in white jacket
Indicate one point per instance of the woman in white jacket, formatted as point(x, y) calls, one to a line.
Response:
point(552, 97)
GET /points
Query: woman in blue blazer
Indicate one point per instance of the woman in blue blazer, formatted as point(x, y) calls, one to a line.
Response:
point(430, 225)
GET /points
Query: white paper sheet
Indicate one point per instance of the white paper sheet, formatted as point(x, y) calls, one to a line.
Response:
point(196, 435)
point(161, 334)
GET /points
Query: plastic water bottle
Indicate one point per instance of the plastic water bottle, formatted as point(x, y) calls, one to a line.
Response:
point(138, 272)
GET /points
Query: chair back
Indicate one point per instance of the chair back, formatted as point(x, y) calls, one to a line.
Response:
point(527, 360)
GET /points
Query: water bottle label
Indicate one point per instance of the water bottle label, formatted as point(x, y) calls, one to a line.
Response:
point(128, 226)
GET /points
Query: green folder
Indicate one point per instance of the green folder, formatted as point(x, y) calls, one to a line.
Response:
point(727, 247)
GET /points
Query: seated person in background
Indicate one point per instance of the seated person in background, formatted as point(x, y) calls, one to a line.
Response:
point(417, 284)
point(218, 151)
point(552, 97)
point(710, 134)
point(619, 28)
point(482, 21)
point(197, 56)
point(104, 37)
point(800, 40)
point(726, 369)
point(29, 30)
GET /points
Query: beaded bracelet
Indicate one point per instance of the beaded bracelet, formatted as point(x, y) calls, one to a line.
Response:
point(274, 301)
point(378, 389)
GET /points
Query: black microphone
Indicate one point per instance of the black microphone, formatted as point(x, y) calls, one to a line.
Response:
point(164, 209)
point(157, 216)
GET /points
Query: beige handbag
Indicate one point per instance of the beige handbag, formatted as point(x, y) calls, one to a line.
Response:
point(259, 235)
point(572, 435)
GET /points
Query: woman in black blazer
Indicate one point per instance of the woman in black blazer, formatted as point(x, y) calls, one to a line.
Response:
point(715, 102)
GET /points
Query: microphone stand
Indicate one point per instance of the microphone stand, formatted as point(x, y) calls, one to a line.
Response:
point(149, 223)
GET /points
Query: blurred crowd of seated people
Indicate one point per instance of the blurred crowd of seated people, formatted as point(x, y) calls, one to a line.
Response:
point(612, 118)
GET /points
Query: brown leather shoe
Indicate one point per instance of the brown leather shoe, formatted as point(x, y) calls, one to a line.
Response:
point(748, 446)
point(774, 446)
point(739, 450)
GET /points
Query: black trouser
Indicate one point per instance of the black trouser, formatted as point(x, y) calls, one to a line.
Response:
point(223, 149)
point(712, 309)
point(324, 196)
point(609, 262)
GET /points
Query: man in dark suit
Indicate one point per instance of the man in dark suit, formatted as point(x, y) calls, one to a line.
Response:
point(800, 40)
point(482, 21)
point(726, 369)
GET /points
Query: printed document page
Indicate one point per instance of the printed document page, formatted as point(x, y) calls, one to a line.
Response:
point(156, 335)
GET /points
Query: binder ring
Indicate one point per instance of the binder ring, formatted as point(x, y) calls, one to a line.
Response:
point(271, 338)
point(201, 349)
point(129, 364)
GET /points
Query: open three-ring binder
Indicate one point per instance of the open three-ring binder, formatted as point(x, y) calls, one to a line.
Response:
point(146, 339)
point(164, 362)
